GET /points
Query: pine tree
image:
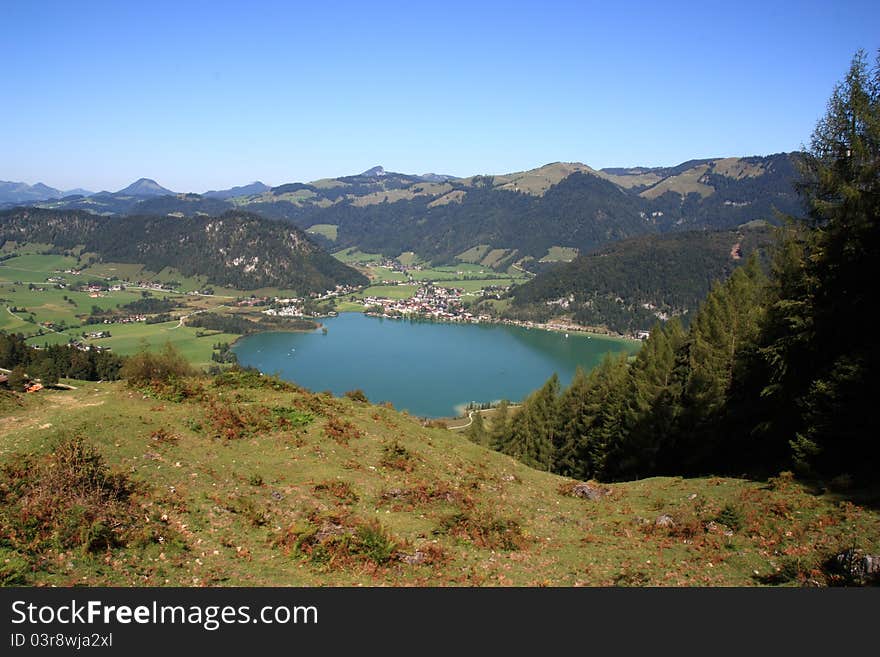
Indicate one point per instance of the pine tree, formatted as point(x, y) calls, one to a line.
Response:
point(500, 425)
point(476, 432)
point(18, 379)
point(570, 439)
point(830, 358)
point(650, 410)
point(532, 431)
point(607, 409)
point(711, 364)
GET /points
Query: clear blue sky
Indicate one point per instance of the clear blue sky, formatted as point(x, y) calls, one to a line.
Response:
point(206, 95)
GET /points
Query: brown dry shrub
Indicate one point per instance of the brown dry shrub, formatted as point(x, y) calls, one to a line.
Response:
point(429, 554)
point(485, 530)
point(424, 493)
point(69, 498)
point(164, 437)
point(584, 489)
point(341, 491)
point(341, 430)
point(318, 404)
point(357, 395)
point(231, 422)
point(340, 541)
point(397, 457)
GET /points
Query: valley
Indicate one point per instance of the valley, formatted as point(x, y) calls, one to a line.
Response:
point(563, 376)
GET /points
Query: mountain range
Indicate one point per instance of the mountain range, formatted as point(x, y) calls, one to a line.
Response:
point(519, 218)
point(19, 192)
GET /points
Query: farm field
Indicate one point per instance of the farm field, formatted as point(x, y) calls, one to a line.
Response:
point(28, 300)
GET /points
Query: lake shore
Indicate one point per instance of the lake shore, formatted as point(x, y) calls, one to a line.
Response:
point(556, 327)
point(431, 369)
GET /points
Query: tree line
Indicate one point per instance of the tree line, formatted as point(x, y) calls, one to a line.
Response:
point(777, 369)
point(54, 362)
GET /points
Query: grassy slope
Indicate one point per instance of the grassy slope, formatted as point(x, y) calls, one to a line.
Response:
point(233, 508)
point(128, 339)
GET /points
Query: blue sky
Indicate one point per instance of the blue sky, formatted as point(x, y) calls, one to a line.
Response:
point(206, 95)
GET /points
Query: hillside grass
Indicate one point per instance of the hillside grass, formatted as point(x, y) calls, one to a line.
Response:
point(329, 231)
point(256, 483)
point(474, 254)
point(389, 291)
point(560, 254)
point(127, 339)
point(353, 255)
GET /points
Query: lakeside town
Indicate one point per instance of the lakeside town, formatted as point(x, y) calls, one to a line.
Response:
point(429, 299)
point(429, 302)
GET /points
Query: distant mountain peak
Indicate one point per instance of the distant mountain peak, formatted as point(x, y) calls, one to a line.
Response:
point(145, 187)
point(255, 187)
point(19, 192)
point(375, 172)
point(436, 177)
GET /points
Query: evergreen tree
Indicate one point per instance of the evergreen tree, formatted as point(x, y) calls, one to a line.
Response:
point(531, 435)
point(650, 410)
point(827, 383)
point(476, 432)
point(500, 424)
point(17, 379)
point(711, 362)
point(569, 456)
point(606, 410)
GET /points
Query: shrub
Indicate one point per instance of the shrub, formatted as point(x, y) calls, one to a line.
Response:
point(397, 457)
point(338, 542)
point(14, 568)
point(146, 368)
point(730, 517)
point(373, 543)
point(66, 499)
point(292, 417)
point(341, 430)
point(357, 395)
point(231, 422)
point(249, 377)
point(783, 481)
point(248, 509)
point(340, 490)
point(424, 493)
point(318, 404)
point(164, 436)
point(484, 530)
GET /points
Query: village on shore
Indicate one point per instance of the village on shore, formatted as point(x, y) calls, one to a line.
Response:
point(429, 302)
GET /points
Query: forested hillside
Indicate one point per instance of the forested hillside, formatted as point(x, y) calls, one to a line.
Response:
point(628, 285)
point(569, 206)
point(236, 249)
point(524, 214)
point(774, 371)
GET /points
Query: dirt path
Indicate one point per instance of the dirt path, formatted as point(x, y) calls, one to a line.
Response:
point(195, 312)
point(470, 419)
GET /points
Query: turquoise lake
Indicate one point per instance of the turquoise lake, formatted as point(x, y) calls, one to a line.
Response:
point(428, 369)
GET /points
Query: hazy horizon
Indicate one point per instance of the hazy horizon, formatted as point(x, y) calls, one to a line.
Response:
point(201, 97)
point(158, 179)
